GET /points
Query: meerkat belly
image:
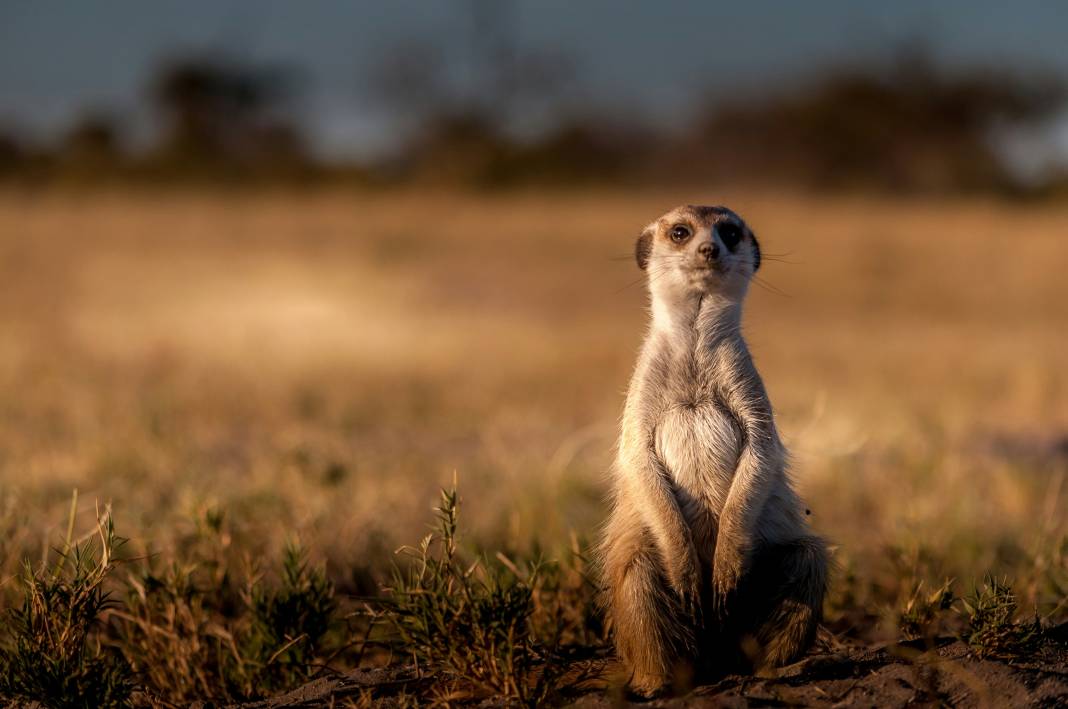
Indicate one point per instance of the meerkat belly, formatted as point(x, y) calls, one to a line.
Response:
point(700, 446)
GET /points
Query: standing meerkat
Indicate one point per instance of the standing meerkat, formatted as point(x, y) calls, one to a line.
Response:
point(707, 557)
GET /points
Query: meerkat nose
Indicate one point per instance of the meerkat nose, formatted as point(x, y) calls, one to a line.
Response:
point(709, 250)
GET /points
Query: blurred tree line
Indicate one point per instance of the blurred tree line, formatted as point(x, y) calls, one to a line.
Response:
point(216, 119)
point(908, 127)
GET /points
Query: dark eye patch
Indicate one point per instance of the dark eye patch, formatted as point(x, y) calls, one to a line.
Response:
point(730, 234)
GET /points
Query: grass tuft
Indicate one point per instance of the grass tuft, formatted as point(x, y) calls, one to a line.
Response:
point(193, 631)
point(290, 622)
point(53, 652)
point(488, 622)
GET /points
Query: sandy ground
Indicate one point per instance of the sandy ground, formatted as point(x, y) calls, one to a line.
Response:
point(947, 673)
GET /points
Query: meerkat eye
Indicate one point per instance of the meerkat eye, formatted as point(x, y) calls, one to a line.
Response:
point(680, 233)
point(730, 234)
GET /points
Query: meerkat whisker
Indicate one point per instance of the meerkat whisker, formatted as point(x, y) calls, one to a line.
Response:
point(638, 281)
point(770, 288)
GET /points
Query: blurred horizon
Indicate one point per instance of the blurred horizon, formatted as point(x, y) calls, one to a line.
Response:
point(346, 65)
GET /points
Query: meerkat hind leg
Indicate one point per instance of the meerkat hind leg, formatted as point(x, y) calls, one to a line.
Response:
point(786, 588)
point(652, 639)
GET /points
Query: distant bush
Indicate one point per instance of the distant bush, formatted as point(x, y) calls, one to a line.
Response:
point(909, 127)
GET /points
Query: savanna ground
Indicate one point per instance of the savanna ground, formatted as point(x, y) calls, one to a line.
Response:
point(265, 394)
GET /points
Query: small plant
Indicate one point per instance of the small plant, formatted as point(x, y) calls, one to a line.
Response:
point(53, 654)
point(991, 627)
point(290, 622)
point(475, 621)
point(923, 609)
point(175, 633)
point(1052, 570)
point(567, 613)
point(193, 632)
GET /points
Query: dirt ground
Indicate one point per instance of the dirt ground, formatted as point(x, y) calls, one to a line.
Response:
point(945, 673)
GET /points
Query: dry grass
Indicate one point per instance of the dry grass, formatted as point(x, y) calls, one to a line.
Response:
point(317, 366)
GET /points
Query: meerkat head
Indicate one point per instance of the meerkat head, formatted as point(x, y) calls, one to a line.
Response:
point(695, 251)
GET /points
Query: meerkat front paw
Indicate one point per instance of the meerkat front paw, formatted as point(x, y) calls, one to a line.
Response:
point(728, 567)
point(685, 580)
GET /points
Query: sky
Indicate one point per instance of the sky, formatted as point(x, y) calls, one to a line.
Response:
point(60, 58)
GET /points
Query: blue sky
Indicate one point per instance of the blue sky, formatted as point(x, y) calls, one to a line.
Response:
point(58, 58)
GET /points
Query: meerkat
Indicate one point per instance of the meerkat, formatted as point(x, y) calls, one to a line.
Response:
point(707, 557)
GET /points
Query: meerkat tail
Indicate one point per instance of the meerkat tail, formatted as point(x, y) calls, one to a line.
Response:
point(791, 627)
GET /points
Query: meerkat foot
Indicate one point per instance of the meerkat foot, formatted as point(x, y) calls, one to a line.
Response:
point(648, 686)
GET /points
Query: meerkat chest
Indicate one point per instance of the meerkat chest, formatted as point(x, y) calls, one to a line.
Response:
point(699, 443)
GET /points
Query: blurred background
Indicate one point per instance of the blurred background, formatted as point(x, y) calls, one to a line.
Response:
point(913, 98)
point(283, 269)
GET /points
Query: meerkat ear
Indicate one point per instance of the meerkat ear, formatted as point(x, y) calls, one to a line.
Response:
point(756, 252)
point(644, 249)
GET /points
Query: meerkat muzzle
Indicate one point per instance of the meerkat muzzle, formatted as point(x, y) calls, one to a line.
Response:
point(709, 251)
